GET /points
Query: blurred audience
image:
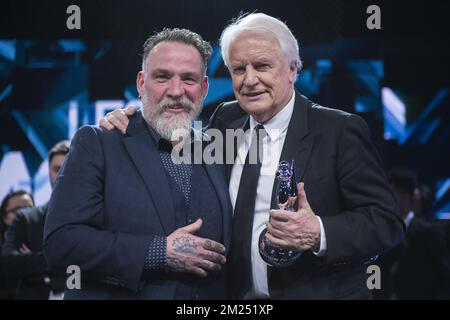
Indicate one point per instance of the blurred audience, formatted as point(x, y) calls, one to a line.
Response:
point(419, 268)
point(22, 250)
point(13, 201)
point(423, 202)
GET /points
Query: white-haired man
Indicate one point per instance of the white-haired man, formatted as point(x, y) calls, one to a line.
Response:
point(346, 212)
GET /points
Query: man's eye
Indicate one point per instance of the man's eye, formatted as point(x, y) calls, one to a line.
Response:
point(189, 81)
point(263, 66)
point(238, 70)
point(161, 77)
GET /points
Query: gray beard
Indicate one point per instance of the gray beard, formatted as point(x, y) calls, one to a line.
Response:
point(177, 127)
point(172, 129)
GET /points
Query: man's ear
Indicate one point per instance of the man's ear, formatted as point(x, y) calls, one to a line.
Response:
point(140, 83)
point(293, 72)
point(205, 86)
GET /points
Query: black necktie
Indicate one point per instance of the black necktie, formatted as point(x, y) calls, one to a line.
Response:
point(243, 216)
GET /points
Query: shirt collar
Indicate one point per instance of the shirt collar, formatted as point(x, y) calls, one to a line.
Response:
point(162, 144)
point(408, 218)
point(278, 124)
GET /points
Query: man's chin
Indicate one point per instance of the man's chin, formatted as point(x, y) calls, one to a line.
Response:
point(167, 129)
point(254, 106)
point(175, 134)
point(170, 115)
point(175, 111)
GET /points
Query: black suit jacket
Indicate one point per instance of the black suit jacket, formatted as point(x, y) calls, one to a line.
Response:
point(345, 185)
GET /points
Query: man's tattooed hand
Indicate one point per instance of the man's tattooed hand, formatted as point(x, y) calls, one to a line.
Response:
point(175, 264)
point(189, 253)
point(184, 244)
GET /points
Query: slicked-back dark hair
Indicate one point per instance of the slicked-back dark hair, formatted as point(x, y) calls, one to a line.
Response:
point(182, 36)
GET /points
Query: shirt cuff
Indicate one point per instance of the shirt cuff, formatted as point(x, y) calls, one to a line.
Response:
point(323, 240)
point(156, 257)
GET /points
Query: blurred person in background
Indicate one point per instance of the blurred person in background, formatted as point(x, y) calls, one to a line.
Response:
point(423, 202)
point(22, 250)
point(14, 201)
point(418, 268)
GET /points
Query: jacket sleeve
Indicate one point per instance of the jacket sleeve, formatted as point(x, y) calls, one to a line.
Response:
point(369, 223)
point(74, 233)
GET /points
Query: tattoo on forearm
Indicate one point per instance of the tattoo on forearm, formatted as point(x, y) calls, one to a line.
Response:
point(175, 264)
point(184, 244)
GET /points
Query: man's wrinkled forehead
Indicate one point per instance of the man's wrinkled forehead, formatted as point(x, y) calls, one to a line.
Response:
point(178, 46)
point(251, 45)
point(256, 36)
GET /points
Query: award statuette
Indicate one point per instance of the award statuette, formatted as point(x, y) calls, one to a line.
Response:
point(287, 194)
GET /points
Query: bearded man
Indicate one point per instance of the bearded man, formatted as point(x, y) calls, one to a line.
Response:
point(124, 212)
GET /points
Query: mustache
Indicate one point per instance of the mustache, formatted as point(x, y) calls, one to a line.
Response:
point(184, 102)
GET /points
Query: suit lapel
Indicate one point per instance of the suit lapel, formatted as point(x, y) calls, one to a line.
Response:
point(216, 176)
point(221, 187)
point(298, 143)
point(147, 160)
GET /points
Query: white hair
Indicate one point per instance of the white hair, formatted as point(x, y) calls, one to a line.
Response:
point(260, 22)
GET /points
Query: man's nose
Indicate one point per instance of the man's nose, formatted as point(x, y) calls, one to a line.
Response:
point(250, 77)
point(176, 88)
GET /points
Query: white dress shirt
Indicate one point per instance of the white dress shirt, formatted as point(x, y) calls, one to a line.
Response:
point(272, 145)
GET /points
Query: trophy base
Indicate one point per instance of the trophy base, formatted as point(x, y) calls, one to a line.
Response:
point(274, 255)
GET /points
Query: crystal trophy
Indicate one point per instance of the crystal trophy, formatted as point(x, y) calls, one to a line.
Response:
point(287, 194)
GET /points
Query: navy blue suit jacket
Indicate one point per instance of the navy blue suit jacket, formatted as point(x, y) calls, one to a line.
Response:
point(111, 198)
